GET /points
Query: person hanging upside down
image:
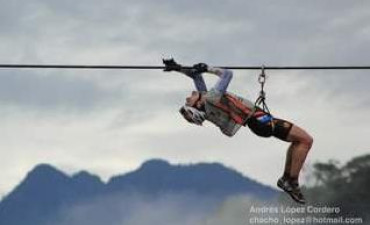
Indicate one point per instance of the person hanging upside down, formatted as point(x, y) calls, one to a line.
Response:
point(230, 112)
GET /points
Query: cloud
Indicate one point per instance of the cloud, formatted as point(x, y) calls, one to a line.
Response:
point(107, 116)
point(52, 92)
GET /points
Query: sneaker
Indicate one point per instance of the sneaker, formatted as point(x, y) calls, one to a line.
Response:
point(292, 189)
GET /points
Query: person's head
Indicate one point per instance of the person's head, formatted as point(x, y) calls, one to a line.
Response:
point(192, 115)
point(191, 111)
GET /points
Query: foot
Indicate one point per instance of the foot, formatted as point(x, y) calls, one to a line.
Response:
point(292, 189)
point(171, 65)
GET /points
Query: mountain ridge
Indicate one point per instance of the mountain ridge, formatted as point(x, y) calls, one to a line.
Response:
point(45, 190)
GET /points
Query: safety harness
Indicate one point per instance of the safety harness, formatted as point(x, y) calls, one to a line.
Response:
point(237, 110)
point(261, 102)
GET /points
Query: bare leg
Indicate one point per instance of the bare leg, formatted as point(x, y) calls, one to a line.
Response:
point(288, 161)
point(301, 143)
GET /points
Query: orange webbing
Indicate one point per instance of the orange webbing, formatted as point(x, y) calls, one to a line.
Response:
point(233, 105)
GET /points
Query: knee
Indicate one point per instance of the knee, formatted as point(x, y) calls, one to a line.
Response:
point(308, 141)
point(305, 140)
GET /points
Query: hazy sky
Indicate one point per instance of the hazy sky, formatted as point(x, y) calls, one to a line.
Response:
point(110, 121)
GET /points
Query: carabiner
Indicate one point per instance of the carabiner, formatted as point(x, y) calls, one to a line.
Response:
point(262, 76)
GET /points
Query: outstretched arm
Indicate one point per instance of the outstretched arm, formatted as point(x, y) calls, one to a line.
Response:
point(224, 74)
point(225, 78)
point(196, 75)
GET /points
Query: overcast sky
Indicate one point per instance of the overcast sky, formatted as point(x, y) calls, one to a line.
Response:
point(110, 121)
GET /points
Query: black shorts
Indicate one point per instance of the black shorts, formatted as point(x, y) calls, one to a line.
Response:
point(276, 127)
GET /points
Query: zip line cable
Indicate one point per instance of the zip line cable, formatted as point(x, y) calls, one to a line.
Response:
point(147, 67)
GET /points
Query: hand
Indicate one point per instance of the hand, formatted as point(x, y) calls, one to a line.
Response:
point(171, 65)
point(200, 67)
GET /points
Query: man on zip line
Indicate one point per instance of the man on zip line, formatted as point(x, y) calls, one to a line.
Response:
point(229, 112)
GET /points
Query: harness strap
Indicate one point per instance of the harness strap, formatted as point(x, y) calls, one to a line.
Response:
point(260, 101)
point(236, 109)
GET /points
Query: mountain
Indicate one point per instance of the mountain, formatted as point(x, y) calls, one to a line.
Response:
point(157, 176)
point(46, 191)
